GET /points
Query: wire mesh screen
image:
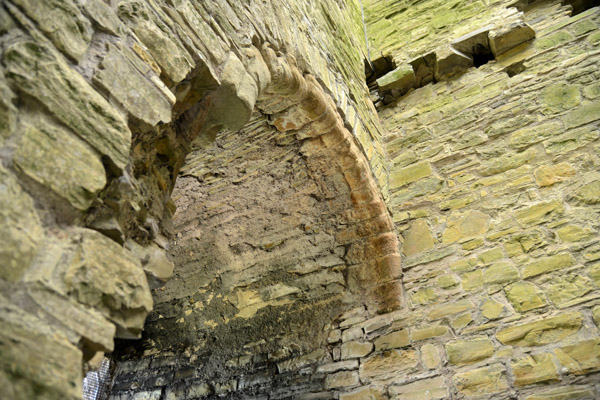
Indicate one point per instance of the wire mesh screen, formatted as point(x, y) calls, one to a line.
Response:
point(95, 383)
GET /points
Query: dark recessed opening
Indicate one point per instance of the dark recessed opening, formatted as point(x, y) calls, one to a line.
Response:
point(515, 69)
point(481, 55)
point(377, 68)
point(577, 6)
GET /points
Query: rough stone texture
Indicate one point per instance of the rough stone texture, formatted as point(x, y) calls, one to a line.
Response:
point(277, 232)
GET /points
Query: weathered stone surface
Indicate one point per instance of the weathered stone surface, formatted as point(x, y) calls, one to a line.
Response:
point(538, 333)
point(155, 262)
point(534, 369)
point(424, 296)
point(530, 135)
point(428, 332)
point(462, 352)
point(338, 366)
point(402, 79)
point(426, 389)
point(549, 175)
point(565, 288)
point(564, 393)
point(63, 22)
point(539, 213)
point(76, 175)
point(589, 193)
point(524, 296)
point(560, 97)
point(430, 356)
point(392, 340)
point(548, 264)
point(8, 112)
point(356, 349)
point(69, 97)
point(507, 162)
point(507, 37)
point(104, 16)
point(492, 309)
point(427, 257)
point(584, 114)
point(450, 63)
point(481, 381)
point(97, 272)
point(412, 173)
point(169, 53)
point(450, 309)
point(464, 226)
point(580, 358)
point(574, 233)
point(345, 379)
point(37, 361)
point(140, 97)
point(20, 228)
point(418, 238)
point(363, 394)
point(97, 332)
point(388, 365)
point(500, 272)
point(302, 361)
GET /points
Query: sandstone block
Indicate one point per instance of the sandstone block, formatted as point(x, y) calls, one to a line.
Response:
point(481, 381)
point(388, 365)
point(560, 97)
point(63, 22)
point(368, 393)
point(418, 238)
point(76, 175)
point(356, 349)
point(588, 194)
point(510, 36)
point(104, 16)
point(140, 97)
point(430, 356)
point(450, 309)
point(492, 309)
point(401, 79)
point(467, 225)
point(426, 389)
point(392, 340)
point(524, 296)
point(564, 393)
point(581, 358)
point(530, 135)
point(538, 213)
point(338, 366)
point(548, 264)
point(574, 233)
point(428, 332)
point(8, 112)
point(447, 281)
point(565, 288)
point(462, 352)
point(545, 331)
point(412, 173)
point(534, 369)
point(585, 113)
point(547, 175)
point(68, 97)
point(500, 272)
point(345, 379)
point(424, 296)
point(507, 162)
point(451, 62)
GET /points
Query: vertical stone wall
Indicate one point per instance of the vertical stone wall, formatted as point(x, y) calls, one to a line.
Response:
point(493, 188)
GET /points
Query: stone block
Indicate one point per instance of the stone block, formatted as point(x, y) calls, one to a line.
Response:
point(534, 369)
point(500, 272)
point(472, 280)
point(450, 63)
point(37, 362)
point(155, 262)
point(574, 233)
point(424, 296)
point(103, 14)
point(463, 352)
point(369, 393)
point(548, 175)
point(581, 358)
point(507, 162)
point(402, 79)
point(450, 309)
point(424, 68)
point(389, 365)
point(560, 97)
point(539, 213)
point(426, 389)
point(418, 238)
point(67, 95)
point(565, 288)
point(481, 381)
point(356, 349)
point(8, 112)
point(20, 228)
point(545, 331)
point(463, 226)
point(338, 366)
point(139, 96)
point(392, 340)
point(588, 193)
point(428, 332)
point(531, 135)
point(510, 36)
point(548, 264)
point(344, 379)
point(76, 175)
point(412, 173)
point(564, 393)
point(63, 22)
point(492, 309)
point(524, 296)
point(430, 356)
point(587, 112)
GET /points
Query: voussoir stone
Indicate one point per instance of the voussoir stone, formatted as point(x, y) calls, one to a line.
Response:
point(41, 73)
